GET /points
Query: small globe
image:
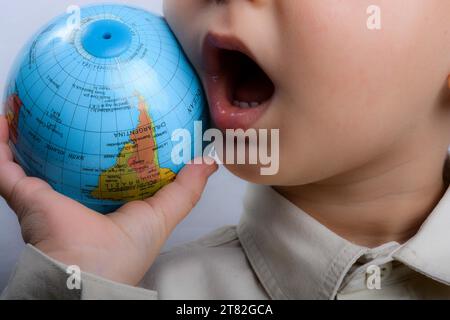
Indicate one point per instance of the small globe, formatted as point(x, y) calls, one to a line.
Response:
point(92, 106)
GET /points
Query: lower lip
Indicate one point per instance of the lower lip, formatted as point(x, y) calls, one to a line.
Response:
point(224, 114)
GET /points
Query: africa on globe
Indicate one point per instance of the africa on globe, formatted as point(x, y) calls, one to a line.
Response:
point(92, 106)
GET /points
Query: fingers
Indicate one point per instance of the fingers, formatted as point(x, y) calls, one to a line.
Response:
point(10, 172)
point(3, 129)
point(174, 202)
point(5, 151)
point(15, 187)
point(177, 199)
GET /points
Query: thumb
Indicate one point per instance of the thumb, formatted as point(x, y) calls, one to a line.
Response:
point(174, 202)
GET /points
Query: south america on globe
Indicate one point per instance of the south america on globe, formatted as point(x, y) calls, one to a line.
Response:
point(92, 106)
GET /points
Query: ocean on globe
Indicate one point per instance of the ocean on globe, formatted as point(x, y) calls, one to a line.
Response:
point(92, 106)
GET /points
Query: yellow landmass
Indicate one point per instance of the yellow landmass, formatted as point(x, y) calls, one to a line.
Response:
point(136, 174)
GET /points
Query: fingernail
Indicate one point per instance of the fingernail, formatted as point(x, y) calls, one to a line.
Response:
point(210, 161)
point(212, 165)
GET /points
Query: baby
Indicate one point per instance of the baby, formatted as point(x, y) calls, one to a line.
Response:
point(360, 93)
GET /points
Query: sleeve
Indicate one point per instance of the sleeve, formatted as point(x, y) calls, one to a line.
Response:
point(39, 277)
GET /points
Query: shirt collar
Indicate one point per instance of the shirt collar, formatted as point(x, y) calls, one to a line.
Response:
point(293, 255)
point(428, 252)
point(296, 257)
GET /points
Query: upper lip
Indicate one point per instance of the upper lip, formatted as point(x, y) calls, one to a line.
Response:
point(214, 43)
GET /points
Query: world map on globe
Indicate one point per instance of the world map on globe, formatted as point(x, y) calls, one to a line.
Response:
point(92, 107)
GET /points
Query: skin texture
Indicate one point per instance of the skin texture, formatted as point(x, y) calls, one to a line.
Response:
point(364, 119)
point(364, 116)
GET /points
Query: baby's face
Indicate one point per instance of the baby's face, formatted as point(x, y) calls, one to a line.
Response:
point(341, 94)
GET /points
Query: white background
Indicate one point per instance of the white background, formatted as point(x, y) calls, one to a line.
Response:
point(222, 201)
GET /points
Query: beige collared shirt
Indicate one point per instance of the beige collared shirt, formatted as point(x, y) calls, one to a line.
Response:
point(277, 251)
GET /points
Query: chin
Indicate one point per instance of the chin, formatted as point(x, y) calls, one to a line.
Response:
point(252, 174)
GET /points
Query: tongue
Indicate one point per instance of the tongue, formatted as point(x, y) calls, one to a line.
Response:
point(256, 88)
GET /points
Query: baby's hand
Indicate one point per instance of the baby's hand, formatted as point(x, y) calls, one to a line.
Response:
point(121, 246)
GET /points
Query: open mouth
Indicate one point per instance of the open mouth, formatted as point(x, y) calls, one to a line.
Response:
point(248, 86)
point(238, 88)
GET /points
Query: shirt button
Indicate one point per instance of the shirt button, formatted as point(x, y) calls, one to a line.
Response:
point(386, 270)
point(377, 274)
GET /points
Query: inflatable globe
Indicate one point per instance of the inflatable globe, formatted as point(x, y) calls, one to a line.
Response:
point(92, 104)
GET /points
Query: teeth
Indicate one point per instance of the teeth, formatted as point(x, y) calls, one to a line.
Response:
point(245, 105)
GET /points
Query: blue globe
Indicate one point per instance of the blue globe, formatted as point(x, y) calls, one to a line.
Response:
point(92, 106)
